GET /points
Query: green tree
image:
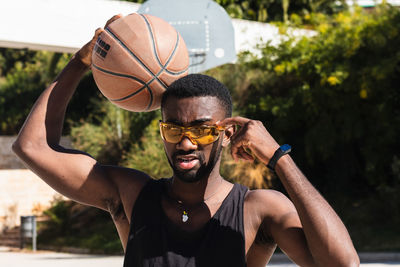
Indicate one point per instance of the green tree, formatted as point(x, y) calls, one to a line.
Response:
point(109, 132)
point(335, 98)
point(70, 224)
point(24, 75)
point(8, 58)
point(148, 154)
point(331, 94)
point(21, 85)
point(275, 10)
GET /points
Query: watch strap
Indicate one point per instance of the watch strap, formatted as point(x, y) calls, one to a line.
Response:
point(282, 150)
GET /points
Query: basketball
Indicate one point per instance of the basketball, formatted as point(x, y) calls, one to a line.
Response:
point(136, 58)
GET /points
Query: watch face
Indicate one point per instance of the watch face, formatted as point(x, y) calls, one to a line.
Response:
point(286, 148)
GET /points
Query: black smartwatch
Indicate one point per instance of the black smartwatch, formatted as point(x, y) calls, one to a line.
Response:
point(282, 150)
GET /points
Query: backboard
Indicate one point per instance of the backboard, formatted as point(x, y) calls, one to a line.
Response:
point(204, 25)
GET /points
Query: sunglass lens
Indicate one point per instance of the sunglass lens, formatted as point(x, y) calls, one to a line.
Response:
point(203, 134)
point(171, 133)
point(205, 140)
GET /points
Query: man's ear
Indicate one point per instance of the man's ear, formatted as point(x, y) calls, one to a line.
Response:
point(229, 131)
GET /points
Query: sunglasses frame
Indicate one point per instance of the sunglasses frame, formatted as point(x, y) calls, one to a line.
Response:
point(186, 131)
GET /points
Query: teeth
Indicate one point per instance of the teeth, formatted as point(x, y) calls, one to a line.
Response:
point(186, 160)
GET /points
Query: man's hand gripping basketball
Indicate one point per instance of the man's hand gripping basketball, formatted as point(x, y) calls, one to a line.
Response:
point(85, 53)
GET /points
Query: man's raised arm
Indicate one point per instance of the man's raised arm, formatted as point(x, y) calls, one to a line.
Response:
point(72, 173)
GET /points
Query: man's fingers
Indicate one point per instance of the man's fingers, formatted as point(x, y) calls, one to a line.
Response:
point(85, 53)
point(238, 144)
point(240, 137)
point(240, 153)
point(234, 120)
point(114, 18)
point(234, 152)
point(97, 33)
point(244, 155)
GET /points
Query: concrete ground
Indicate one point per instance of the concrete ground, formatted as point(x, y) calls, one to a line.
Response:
point(15, 258)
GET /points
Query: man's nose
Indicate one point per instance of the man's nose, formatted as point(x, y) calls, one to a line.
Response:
point(186, 144)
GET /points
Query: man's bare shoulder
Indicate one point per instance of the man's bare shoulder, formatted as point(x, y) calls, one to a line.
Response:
point(268, 203)
point(266, 196)
point(129, 183)
point(126, 176)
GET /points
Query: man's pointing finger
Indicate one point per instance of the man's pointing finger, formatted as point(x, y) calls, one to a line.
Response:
point(234, 120)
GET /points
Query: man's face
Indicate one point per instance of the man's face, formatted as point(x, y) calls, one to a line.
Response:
point(193, 162)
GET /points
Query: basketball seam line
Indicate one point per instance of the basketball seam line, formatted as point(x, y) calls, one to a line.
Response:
point(132, 54)
point(155, 51)
point(141, 63)
point(170, 58)
point(152, 40)
point(151, 95)
point(145, 85)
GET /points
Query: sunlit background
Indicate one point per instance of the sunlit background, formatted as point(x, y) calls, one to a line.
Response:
point(323, 76)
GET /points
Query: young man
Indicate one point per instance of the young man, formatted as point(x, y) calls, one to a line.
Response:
point(195, 218)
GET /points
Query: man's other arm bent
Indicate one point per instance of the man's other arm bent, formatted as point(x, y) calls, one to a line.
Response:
point(306, 228)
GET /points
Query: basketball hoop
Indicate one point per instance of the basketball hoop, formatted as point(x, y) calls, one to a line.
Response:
point(204, 25)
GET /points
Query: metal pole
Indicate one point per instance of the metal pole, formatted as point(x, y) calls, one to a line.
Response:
point(22, 231)
point(21, 234)
point(34, 233)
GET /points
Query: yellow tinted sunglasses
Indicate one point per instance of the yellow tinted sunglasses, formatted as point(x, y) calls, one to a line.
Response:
point(202, 134)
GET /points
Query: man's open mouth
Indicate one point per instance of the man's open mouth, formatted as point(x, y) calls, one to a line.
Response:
point(187, 162)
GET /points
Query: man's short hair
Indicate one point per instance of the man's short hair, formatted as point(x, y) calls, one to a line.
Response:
point(194, 85)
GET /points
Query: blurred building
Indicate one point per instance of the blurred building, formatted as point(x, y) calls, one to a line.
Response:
point(21, 191)
point(72, 27)
point(372, 3)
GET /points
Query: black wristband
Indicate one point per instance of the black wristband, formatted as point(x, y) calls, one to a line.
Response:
point(282, 150)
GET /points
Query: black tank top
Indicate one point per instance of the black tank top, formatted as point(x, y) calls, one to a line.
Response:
point(155, 241)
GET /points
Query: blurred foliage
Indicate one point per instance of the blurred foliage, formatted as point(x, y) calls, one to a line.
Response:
point(22, 79)
point(275, 10)
point(148, 155)
point(109, 133)
point(335, 98)
point(70, 224)
point(278, 10)
point(251, 174)
point(24, 75)
point(8, 57)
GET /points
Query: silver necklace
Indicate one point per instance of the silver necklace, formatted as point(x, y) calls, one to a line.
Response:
point(185, 213)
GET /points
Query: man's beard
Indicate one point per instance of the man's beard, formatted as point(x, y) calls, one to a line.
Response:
point(192, 176)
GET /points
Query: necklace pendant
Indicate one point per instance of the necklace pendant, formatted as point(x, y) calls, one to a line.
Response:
point(185, 217)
